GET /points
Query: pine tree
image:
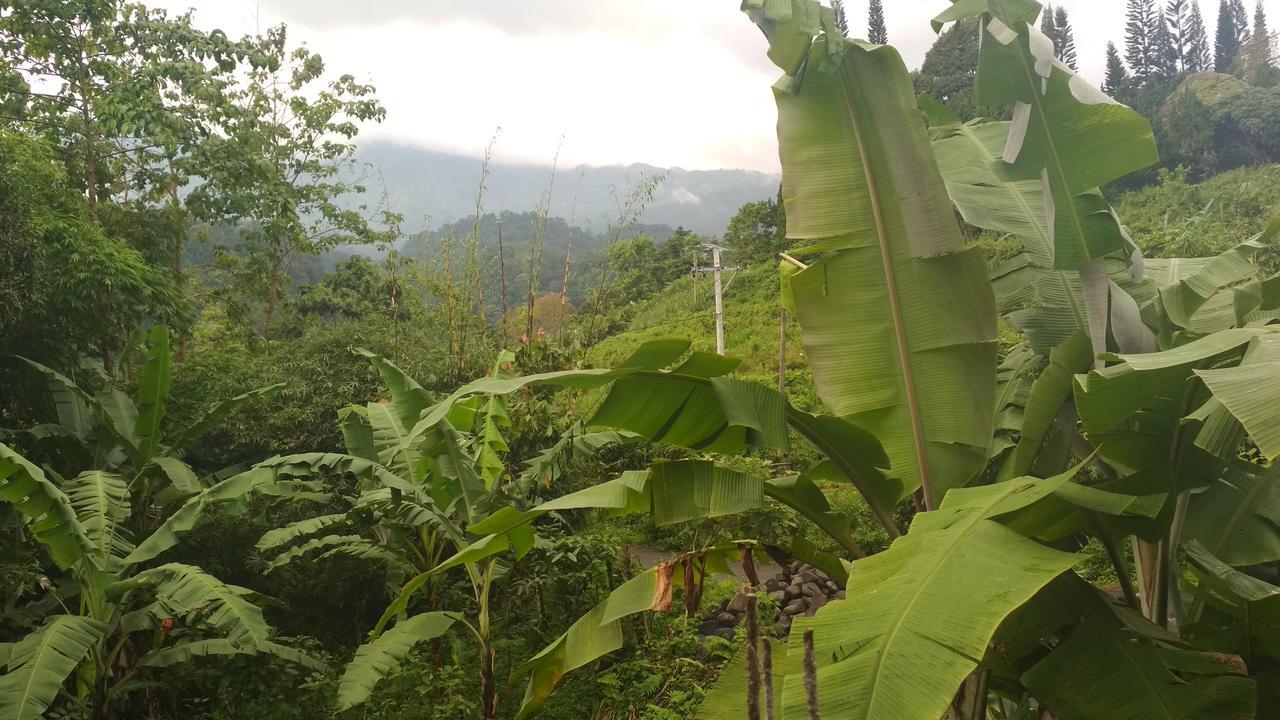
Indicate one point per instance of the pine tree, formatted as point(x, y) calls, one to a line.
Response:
point(842, 20)
point(1050, 30)
point(1177, 14)
point(876, 30)
point(1065, 40)
point(1139, 38)
point(1117, 76)
point(1199, 57)
point(1260, 21)
point(1227, 45)
point(1166, 50)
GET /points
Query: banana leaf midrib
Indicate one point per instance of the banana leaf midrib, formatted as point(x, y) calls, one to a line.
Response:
point(852, 90)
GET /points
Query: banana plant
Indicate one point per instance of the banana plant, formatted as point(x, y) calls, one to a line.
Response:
point(118, 622)
point(114, 433)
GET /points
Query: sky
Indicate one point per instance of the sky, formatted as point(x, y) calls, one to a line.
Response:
point(672, 83)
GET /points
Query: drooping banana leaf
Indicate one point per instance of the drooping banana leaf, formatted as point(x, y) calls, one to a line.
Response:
point(599, 632)
point(286, 476)
point(1114, 664)
point(1207, 300)
point(1238, 517)
point(376, 659)
point(185, 652)
point(1248, 607)
point(928, 606)
point(899, 319)
point(574, 445)
point(1250, 391)
point(153, 392)
point(48, 511)
point(181, 589)
point(1048, 393)
point(408, 398)
point(697, 489)
point(40, 663)
point(74, 406)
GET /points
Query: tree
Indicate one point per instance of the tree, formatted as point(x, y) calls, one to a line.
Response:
point(1260, 20)
point(1199, 56)
point(283, 164)
point(1066, 41)
point(1117, 81)
point(1167, 57)
point(842, 18)
point(1257, 56)
point(1141, 51)
point(1232, 34)
point(1049, 27)
point(1177, 15)
point(757, 232)
point(950, 68)
point(877, 31)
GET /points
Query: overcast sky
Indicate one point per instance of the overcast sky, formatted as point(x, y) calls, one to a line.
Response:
point(667, 82)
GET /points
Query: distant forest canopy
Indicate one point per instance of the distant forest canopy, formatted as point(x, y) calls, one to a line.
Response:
point(432, 188)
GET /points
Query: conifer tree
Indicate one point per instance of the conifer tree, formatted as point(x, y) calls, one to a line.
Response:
point(1166, 50)
point(1198, 57)
point(842, 20)
point(1177, 15)
point(1260, 21)
point(1139, 38)
point(1065, 40)
point(877, 32)
point(1117, 76)
point(1050, 30)
point(1233, 32)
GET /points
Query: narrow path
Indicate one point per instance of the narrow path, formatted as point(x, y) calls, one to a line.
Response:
point(647, 557)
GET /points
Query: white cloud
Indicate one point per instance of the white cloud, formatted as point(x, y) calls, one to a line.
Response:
point(666, 82)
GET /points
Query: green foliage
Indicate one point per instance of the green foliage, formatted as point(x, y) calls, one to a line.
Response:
point(758, 232)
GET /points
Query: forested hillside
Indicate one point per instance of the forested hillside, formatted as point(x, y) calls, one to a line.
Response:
point(296, 425)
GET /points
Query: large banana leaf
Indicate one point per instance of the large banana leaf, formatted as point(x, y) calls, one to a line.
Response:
point(40, 662)
point(1248, 607)
point(49, 513)
point(727, 700)
point(73, 405)
point(1114, 664)
point(899, 322)
point(1238, 517)
point(928, 606)
point(215, 647)
point(180, 589)
point(1250, 391)
point(286, 476)
point(101, 502)
point(153, 391)
point(374, 660)
point(1048, 394)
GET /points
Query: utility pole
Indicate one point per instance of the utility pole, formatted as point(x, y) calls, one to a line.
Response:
point(716, 269)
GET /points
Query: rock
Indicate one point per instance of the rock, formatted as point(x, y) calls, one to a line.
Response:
point(822, 576)
point(776, 583)
point(816, 604)
point(726, 633)
point(795, 607)
point(792, 592)
point(708, 627)
point(807, 576)
point(832, 586)
point(778, 595)
point(810, 590)
point(738, 604)
point(840, 594)
point(727, 618)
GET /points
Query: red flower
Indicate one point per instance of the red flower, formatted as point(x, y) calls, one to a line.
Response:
point(166, 624)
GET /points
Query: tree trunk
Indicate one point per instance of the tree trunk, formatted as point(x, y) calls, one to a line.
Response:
point(488, 687)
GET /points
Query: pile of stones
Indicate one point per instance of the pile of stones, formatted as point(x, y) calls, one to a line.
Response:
point(798, 590)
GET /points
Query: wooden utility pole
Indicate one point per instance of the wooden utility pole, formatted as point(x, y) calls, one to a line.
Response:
point(782, 351)
point(716, 269)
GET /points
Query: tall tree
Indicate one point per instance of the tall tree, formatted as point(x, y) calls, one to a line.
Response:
point(1167, 56)
point(1198, 56)
point(877, 31)
point(1140, 38)
point(1178, 16)
point(1259, 67)
point(842, 18)
point(283, 164)
point(950, 67)
point(1233, 34)
point(1260, 20)
point(1050, 30)
point(1065, 40)
point(1117, 76)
